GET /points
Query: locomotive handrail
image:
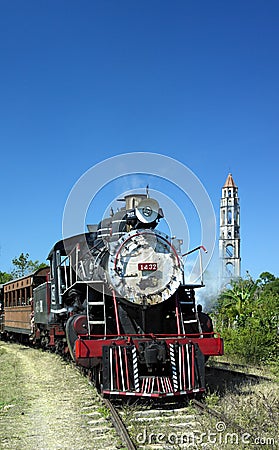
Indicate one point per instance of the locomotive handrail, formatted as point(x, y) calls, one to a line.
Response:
point(199, 248)
point(73, 277)
point(195, 249)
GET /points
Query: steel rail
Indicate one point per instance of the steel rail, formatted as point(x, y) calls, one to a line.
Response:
point(203, 407)
point(119, 425)
point(238, 373)
point(235, 365)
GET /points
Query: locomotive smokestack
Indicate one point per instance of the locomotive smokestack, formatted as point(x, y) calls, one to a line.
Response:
point(133, 200)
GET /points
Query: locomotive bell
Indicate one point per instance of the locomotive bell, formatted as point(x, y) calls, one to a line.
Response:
point(147, 210)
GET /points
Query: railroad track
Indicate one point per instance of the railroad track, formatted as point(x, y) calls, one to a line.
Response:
point(119, 425)
point(241, 367)
point(222, 380)
point(158, 425)
point(152, 425)
point(228, 423)
point(170, 425)
point(236, 373)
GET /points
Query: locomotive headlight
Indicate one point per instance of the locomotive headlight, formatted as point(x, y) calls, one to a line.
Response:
point(147, 211)
point(145, 267)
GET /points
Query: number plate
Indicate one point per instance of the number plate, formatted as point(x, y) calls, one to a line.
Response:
point(151, 267)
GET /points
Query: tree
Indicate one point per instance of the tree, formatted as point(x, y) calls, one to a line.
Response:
point(269, 284)
point(248, 318)
point(24, 266)
point(235, 304)
point(266, 277)
point(5, 277)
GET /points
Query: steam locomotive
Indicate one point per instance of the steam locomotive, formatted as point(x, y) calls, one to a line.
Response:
point(116, 300)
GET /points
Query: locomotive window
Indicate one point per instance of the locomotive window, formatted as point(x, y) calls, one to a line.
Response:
point(51, 269)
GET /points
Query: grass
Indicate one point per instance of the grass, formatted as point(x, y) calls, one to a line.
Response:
point(11, 390)
point(45, 403)
point(254, 407)
point(104, 411)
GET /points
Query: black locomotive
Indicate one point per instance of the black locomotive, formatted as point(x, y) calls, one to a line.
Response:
point(115, 298)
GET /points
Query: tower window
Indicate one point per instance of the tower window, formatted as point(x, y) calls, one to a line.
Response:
point(229, 216)
point(229, 251)
point(229, 269)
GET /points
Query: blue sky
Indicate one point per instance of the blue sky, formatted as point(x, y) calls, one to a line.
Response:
point(84, 81)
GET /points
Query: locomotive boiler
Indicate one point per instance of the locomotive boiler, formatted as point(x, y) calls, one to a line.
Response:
point(117, 301)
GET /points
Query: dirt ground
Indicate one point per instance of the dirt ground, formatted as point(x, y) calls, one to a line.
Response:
point(46, 404)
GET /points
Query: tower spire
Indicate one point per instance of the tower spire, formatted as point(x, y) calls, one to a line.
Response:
point(229, 181)
point(229, 241)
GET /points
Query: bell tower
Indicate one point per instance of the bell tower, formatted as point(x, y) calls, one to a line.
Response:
point(229, 241)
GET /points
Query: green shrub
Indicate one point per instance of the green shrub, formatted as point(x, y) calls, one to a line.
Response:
point(248, 319)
